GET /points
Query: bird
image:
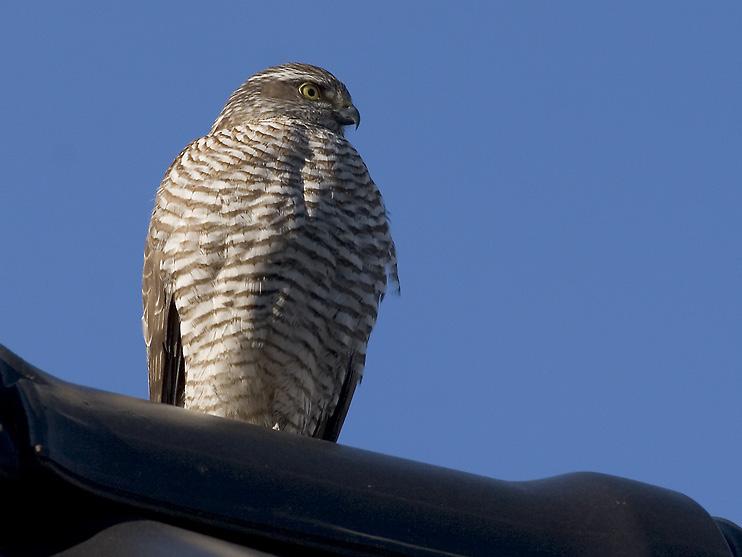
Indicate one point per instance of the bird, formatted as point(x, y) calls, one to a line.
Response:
point(268, 252)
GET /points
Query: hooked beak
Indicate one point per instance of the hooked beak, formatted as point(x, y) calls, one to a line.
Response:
point(349, 115)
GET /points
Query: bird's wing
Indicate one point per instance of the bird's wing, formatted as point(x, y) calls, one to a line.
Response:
point(383, 270)
point(161, 326)
point(329, 427)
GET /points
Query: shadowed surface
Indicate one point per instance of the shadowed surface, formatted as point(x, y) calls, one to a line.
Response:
point(286, 489)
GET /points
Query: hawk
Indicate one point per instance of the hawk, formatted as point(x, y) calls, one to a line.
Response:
point(266, 258)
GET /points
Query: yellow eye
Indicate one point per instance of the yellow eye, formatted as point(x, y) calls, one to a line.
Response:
point(309, 91)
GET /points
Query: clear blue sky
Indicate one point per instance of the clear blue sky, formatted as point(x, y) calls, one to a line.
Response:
point(565, 186)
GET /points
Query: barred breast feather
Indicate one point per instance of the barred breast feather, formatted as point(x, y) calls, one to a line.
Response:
point(267, 255)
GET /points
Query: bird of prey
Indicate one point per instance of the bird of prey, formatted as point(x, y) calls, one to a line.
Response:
point(266, 258)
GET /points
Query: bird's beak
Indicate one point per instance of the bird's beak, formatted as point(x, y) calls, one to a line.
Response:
point(349, 115)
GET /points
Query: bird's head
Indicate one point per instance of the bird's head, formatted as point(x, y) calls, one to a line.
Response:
point(307, 93)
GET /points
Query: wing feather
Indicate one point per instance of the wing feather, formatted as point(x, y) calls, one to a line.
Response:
point(329, 428)
point(161, 326)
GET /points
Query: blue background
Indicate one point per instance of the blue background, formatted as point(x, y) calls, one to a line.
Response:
point(564, 183)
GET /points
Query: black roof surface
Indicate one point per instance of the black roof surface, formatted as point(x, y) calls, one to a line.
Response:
point(132, 460)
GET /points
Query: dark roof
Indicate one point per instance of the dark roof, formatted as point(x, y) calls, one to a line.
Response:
point(125, 461)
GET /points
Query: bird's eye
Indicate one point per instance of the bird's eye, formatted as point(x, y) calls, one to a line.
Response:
point(309, 91)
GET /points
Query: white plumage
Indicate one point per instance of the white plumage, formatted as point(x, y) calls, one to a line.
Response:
point(266, 258)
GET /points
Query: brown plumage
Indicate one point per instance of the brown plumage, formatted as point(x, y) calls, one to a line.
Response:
point(266, 257)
